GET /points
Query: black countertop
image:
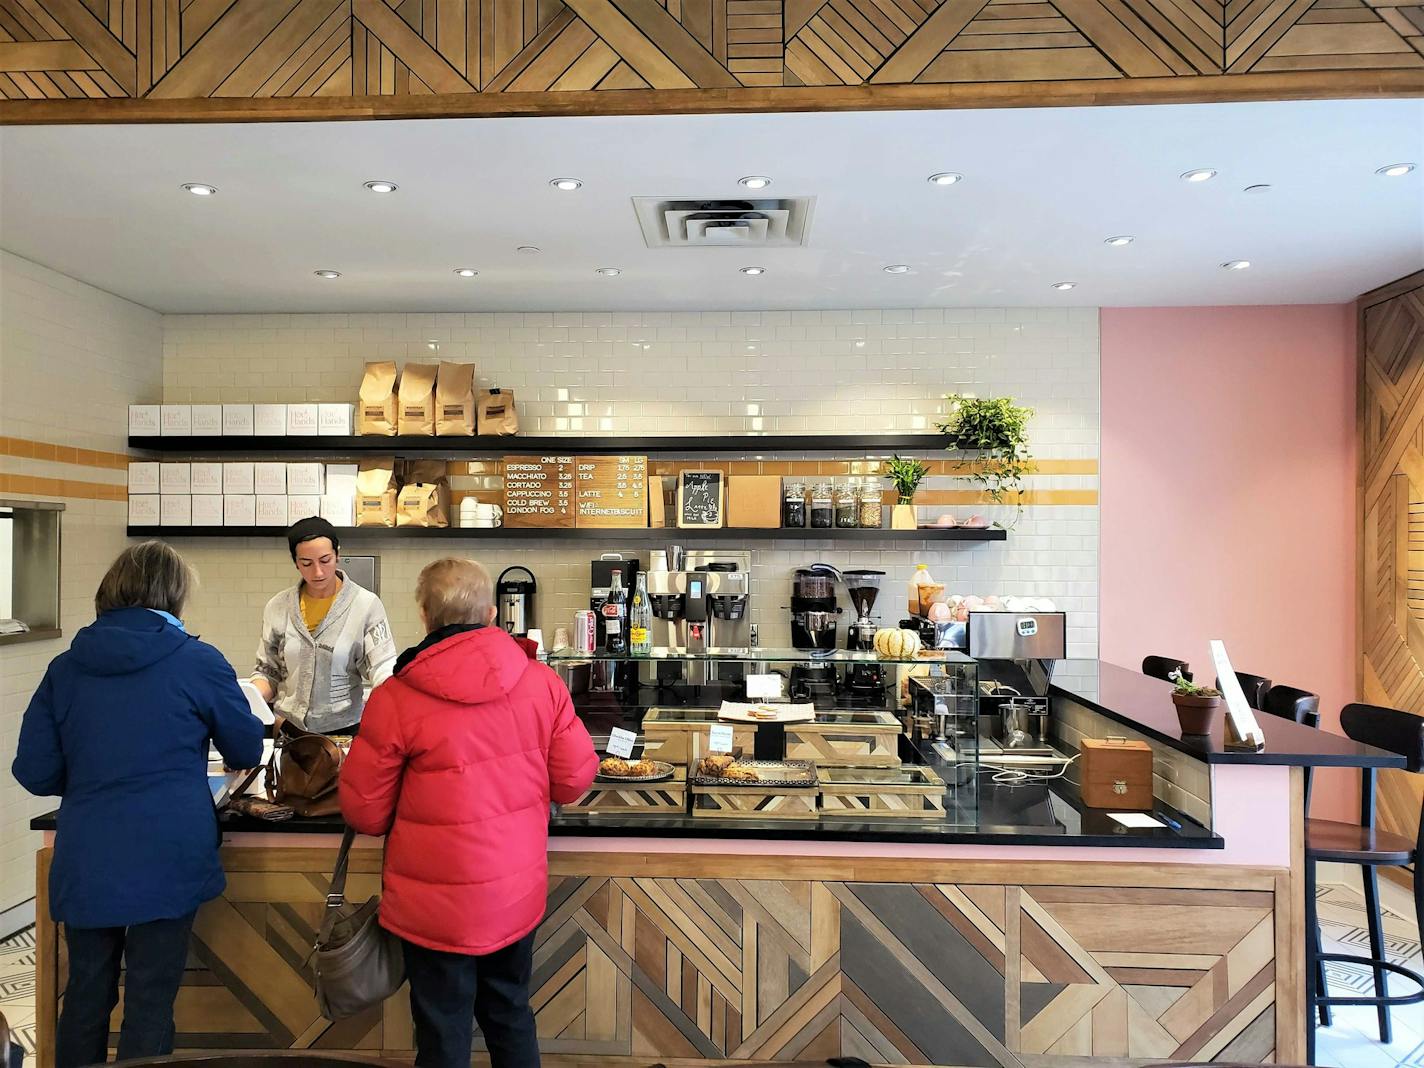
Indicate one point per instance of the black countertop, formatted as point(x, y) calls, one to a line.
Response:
point(1145, 704)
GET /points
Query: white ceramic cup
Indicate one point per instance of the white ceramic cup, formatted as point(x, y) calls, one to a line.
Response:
point(658, 560)
point(536, 636)
point(486, 511)
point(468, 511)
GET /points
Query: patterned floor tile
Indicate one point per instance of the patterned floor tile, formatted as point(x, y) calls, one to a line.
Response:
point(17, 986)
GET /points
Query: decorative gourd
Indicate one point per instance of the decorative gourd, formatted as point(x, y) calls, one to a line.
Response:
point(894, 644)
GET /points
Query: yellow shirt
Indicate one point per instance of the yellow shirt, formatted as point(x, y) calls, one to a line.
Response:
point(314, 610)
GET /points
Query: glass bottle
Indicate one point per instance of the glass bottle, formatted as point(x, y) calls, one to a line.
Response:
point(640, 619)
point(793, 504)
point(823, 507)
point(872, 510)
point(847, 505)
point(615, 617)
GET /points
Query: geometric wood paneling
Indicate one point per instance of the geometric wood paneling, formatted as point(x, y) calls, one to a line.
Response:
point(188, 50)
point(664, 957)
point(1391, 345)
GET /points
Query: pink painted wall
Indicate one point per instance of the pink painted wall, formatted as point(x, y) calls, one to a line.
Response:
point(1228, 496)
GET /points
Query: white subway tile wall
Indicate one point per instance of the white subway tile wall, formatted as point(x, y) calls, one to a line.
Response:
point(72, 358)
point(852, 371)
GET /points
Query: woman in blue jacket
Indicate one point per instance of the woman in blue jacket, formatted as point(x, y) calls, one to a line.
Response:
point(119, 730)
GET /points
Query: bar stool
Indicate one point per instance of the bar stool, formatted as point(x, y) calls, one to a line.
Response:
point(1370, 848)
point(1161, 667)
point(1254, 687)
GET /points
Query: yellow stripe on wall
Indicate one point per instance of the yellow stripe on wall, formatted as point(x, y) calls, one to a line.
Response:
point(63, 454)
point(62, 487)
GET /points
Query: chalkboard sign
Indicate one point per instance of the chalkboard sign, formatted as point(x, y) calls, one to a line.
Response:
point(699, 498)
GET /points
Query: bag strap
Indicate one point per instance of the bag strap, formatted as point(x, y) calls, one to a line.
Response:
point(337, 895)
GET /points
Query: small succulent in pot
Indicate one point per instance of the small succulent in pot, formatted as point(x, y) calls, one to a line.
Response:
point(1197, 705)
point(906, 476)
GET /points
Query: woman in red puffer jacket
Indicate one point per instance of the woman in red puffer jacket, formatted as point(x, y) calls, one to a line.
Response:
point(459, 755)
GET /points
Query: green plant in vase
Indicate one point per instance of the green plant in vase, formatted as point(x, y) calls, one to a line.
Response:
point(905, 475)
point(997, 430)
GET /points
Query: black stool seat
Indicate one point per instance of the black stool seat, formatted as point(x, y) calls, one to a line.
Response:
point(1349, 843)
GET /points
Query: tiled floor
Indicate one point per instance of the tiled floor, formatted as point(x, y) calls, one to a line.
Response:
point(1352, 1042)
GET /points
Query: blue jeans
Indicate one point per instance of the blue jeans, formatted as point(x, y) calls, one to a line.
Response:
point(154, 954)
point(446, 988)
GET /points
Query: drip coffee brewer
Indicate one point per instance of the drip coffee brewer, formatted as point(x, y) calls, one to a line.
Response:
point(863, 587)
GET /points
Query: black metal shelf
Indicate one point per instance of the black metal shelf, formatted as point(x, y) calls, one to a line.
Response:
point(652, 535)
point(519, 445)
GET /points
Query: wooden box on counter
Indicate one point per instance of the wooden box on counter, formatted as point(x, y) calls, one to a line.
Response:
point(854, 738)
point(910, 792)
point(681, 735)
point(1116, 773)
point(666, 798)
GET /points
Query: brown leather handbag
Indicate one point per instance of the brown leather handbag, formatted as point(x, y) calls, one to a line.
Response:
point(305, 772)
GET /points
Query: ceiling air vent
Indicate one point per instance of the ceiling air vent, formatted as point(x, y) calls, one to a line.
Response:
point(771, 222)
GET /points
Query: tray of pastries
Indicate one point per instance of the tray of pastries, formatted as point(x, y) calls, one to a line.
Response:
point(722, 769)
point(616, 769)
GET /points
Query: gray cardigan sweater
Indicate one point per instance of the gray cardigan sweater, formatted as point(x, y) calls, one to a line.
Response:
point(322, 679)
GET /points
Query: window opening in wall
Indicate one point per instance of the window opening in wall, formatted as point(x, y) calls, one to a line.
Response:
point(29, 570)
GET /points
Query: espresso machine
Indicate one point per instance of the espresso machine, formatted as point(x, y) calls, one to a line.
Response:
point(515, 598)
point(814, 615)
point(1016, 652)
point(863, 587)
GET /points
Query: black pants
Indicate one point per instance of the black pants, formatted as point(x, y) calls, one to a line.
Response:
point(154, 954)
point(445, 987)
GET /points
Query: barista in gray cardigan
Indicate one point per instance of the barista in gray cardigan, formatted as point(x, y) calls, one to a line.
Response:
point(326, 642)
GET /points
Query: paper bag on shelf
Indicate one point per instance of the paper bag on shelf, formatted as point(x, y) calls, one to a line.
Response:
point(376, 493)
point(455, 400)
point(496, 413)
point(376, 412)
point(417, 399)
point(424, 499)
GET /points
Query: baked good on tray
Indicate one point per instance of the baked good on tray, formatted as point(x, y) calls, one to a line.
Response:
point(724, 766)
point(618, 768)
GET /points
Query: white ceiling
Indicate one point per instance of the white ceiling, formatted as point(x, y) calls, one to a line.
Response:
point(1043, 189)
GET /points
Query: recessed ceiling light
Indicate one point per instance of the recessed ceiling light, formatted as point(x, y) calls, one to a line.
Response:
point(945, 178)
point(568, 185)
point(466, 272)
point(1236, 265)
point(379, 186)
point(198, 189)
point(1396, 170)
point(753, 270)
point(1203, 175)
point(608, 271)
point(897, 268)
point(1257, 189)
point(754, 181)
point(1063, 287)
point(327, 273)
point(529, 249)
point(1120, 240)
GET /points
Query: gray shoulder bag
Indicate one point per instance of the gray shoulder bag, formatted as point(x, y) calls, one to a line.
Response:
point(358, 962)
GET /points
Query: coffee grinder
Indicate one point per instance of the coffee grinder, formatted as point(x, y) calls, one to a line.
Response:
point(863, 587)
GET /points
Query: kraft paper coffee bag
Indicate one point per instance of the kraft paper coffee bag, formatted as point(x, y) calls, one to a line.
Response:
point(417, 399)
point(376, 411)
point(424, 499)
point(376, 493)
point(496, 412)
point(455, 400)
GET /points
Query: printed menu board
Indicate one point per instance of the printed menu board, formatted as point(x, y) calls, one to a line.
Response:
point(612, 491)
point(539, 491)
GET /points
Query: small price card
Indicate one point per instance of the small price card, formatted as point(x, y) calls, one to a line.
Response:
point(763, 687)
point(719, 738)
point(620, 743)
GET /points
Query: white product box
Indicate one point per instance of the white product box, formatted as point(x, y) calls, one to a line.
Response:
point(301, 506)
point(175, 510)
point(271, 510)
point(239, 509)
point(143, 478)
point(269, 420)
point(145, 420)
point(207, 510)
point(305, 479)
point(206, 477)
point(269, 478)
point(339, 509)
point(176, 420)
point(144, 510)
point(175, 478)
point(207, 420)
point(237, 420)
point(335, 420)
point(303, 420)
point(238, 478)
point(341, 479)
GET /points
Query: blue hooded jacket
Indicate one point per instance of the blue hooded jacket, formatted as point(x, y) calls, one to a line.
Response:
point(119, 729)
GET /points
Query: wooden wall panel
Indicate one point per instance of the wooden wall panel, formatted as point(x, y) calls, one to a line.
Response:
point(1391, 566)
point(471, 56)
point(725, 958)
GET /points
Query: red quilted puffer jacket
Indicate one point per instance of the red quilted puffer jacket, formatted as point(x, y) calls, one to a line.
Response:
point(459, 755)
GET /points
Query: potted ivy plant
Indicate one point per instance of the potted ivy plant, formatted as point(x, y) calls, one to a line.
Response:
point(995, 430)
point(1197, 705)
point(905, 475)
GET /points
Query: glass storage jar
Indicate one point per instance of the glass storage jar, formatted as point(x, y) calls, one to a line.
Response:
point(823, 505)
point(872, 510)
point(793, 503)
point(847, 499)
